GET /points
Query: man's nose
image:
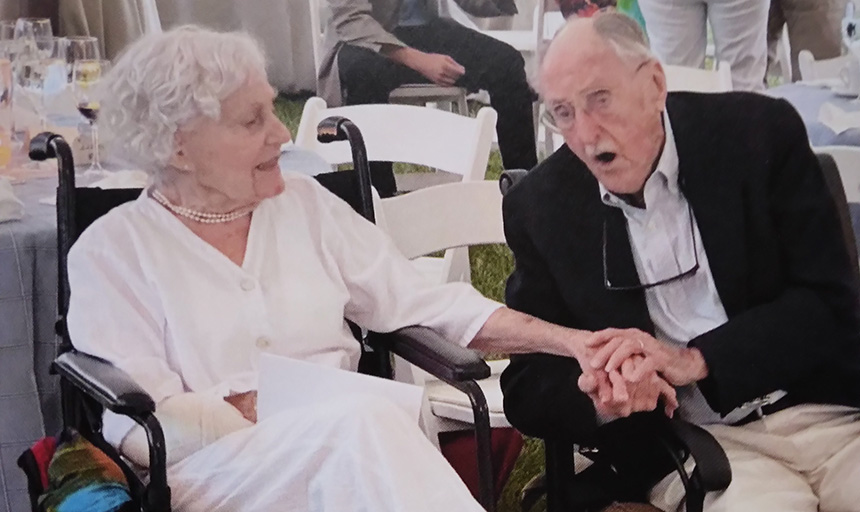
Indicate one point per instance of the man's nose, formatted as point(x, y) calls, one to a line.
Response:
point(587, 129)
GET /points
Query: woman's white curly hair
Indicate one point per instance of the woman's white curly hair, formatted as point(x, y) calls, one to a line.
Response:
point(164, 81)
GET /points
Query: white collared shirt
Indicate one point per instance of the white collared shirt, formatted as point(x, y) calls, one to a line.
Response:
point(662, 248)
point(163, 305)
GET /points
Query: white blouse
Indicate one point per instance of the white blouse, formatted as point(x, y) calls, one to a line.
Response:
point(177, 315)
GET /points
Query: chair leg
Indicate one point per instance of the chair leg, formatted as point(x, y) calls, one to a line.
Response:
point(462, 106)
point(482, 440)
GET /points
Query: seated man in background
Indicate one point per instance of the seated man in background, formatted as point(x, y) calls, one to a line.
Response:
point(374, 46)
point(696, 234)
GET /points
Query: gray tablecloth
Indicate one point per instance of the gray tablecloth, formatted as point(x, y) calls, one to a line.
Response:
point(29, 397)
point(808, 101)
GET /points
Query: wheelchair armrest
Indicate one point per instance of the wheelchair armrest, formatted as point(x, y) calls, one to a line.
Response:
point(104, 382)
point(426, 349)
point(712, 464)
point(509, 178)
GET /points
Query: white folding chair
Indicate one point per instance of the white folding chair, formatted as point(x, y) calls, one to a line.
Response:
point(681, 78)
point(409, 94)
point(403, 133)
point(811, 69)
point(453, 215)
point(847, 159)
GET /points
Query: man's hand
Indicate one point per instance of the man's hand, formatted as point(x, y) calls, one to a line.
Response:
point(615, 396)
point(245, 403)
point(679, 366)
point(439, 69)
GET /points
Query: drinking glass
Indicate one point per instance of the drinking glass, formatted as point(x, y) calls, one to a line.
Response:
point(87, 74)
point(7, 148)
point(40, 71)
point(81, 48)
point(33, 28)
point(7, 30)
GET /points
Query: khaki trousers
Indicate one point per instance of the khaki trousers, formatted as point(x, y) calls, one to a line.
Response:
point(802, 459)
point(813, 25)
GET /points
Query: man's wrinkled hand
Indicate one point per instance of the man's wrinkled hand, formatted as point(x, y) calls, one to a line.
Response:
point(611, 348)
point(615, 396)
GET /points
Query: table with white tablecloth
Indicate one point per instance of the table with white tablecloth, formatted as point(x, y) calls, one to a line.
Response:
point(808, 101)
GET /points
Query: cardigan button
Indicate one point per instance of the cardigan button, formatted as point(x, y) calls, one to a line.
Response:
point(247, 284)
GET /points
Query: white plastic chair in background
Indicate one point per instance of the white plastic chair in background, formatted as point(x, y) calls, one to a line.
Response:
point(680, 78)
point(416, 135)
point(453, 215)
point(409, 94)
point(847, 160)
point(811, 69)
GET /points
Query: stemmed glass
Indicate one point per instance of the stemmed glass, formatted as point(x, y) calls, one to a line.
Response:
point(30, 29)
point(81, 48)
point(41, 71)
point(7, 30)
point(86, 75)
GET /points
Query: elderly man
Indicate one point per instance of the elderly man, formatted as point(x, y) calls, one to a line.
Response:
point(374, 46)
point(696, 235)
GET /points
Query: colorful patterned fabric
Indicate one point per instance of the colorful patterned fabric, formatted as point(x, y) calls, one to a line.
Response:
point(83, 478)
point(587, 8)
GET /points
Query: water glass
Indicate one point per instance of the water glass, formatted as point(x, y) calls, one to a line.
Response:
point(33, 28)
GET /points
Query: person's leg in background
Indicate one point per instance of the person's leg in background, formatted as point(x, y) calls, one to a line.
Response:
point(775, 26)
point(813, 25)
point(677, 30)
point(740, 37)
point(495, 67)
point(368, 77)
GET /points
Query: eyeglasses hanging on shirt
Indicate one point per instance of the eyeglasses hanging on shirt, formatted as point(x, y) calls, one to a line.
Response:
point(616, 286)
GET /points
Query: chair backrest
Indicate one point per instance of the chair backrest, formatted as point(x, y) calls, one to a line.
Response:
point(841, 168)
point(406, 133)
point(317, 32)
point(811, 69)
point(433, 219)
point(681, 78)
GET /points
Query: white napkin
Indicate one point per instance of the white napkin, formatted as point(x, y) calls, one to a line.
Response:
point(837, 119)
point(11, 208)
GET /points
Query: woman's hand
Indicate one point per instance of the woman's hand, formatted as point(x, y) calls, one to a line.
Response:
point(245, 403)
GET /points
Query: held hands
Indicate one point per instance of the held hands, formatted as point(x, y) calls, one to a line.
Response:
point(245, 403)
point(627, 371)
point(612, 348)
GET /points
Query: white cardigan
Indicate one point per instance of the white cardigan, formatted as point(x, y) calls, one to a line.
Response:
point(168, 308)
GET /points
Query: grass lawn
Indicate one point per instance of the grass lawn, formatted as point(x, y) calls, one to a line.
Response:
point(491, 265)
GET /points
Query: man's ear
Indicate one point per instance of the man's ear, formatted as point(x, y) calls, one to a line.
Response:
point(657, 89)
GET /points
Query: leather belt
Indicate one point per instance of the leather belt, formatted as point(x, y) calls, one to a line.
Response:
point(766, 410)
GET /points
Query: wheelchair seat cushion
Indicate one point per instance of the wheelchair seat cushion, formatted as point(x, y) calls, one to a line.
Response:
point(83, 478)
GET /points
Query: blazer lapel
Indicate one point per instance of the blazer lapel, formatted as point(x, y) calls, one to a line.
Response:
point(715, 195)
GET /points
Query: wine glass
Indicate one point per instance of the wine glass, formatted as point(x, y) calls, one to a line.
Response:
point(81, 48)
point(7, 30)
point(87, 73)
point(33, 28)
point(40, 72)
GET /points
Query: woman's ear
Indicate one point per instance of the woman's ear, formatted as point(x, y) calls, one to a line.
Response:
point(179, 160)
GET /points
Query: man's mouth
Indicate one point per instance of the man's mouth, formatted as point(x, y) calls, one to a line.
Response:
point(269, 165)
point(605, 157)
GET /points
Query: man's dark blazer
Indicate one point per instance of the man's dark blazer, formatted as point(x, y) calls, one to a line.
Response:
point(774, 244)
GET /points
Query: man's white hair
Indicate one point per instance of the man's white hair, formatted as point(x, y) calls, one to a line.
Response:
point(164, 81)
point(621, 32)
point(624, 35)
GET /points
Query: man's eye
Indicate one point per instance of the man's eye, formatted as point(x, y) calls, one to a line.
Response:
point(562, 112)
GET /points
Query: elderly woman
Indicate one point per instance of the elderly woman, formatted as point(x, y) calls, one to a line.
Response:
point(224, 257)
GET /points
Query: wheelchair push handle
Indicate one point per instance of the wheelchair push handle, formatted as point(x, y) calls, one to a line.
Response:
point(338, 128)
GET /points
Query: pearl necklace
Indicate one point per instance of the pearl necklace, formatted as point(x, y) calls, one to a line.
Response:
point(198, 216)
